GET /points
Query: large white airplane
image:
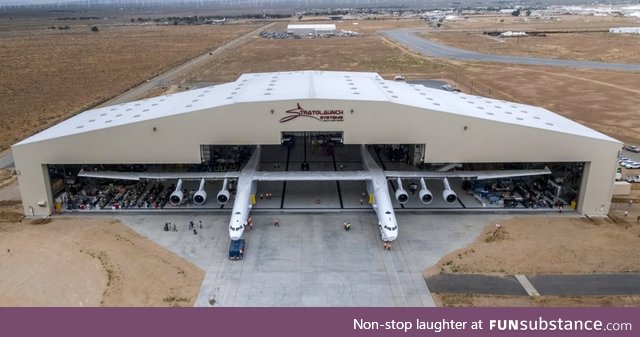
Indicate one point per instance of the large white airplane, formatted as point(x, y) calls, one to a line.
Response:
point(373, 176)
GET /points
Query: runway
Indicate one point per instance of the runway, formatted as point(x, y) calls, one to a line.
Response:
point(409, 38)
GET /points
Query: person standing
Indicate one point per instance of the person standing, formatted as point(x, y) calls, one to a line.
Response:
point(277, 223)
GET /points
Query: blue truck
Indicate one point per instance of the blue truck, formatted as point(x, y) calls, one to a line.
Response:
point(236, 249)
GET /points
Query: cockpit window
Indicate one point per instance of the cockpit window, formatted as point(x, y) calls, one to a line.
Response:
point(238, 213)
point(387, 212)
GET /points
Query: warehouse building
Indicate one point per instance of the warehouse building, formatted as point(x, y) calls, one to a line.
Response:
point(331, 114)
point(312, 29)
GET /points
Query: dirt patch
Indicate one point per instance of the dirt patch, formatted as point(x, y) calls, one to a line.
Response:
point(471, 300)
point(90, 262)
point(550, 245)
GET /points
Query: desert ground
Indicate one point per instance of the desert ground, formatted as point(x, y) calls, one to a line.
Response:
point(366, 53)
point(87, 262)
point(595, 46)
point(51, 75)
point(561, 22)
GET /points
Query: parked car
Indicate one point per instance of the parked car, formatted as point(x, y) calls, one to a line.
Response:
point(236, 249)
point(632, 148)
point(632, 166)
point(449, 87)
point(399, 78)
point(633, 179)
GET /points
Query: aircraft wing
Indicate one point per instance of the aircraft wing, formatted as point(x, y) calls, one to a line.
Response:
point(158, 175)
point(311, 175)
point(473, 175)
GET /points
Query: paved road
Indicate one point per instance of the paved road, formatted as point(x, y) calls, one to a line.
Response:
point(171, 75)
point(475, 284)
point(410, 39)
point(546, 285)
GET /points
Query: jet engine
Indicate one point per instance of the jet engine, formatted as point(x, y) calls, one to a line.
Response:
point(401, 195)
point(177, 195)
point(448, 194)
point(223, 195)
point(201, 195)
point(425, 195)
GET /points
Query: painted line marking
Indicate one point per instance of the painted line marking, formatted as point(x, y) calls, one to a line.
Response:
point(528, 287)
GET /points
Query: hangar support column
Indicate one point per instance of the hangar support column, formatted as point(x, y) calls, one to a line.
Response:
point(35, 187)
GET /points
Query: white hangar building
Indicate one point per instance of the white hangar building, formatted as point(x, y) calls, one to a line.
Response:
point(311, 29)
point(266, 109)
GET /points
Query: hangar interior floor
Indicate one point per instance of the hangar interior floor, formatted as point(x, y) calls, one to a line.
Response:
point(339, 195)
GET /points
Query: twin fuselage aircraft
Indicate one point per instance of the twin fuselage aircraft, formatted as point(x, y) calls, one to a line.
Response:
point(374, 177)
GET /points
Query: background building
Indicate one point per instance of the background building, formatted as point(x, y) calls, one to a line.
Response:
point(312, 29)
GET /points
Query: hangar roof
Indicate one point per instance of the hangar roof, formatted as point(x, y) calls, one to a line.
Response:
point(322, 85)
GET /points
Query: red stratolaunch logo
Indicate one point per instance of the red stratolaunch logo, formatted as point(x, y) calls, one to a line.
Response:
point(321, 115)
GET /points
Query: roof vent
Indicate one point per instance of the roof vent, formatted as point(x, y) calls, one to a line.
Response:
point(536, 117)
point(79, 126)
point(136, 116)
point(112, 109)
point(145, 110)
point(523, 111)
point(119, 115)
point(266, 94)
point(490, 113)
point(548, 123)
point(479, 107)
point(394, 96)
point(103, 114)
point(188, 106)
point(508, 112)
point(520, 118)
point(356, 93)
point(438, 104)
point(137, 104)
point(92, 120)
point(154, 104)
point(497, 107)
point(108, 121)
point(129, 109)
